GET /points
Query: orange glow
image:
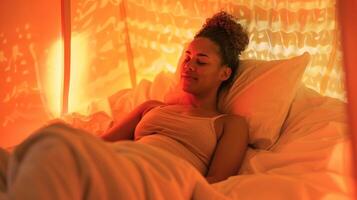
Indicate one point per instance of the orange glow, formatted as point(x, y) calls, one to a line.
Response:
point(103, 67)
point(158, 32)
point(53, 86)
point(53, 83)
point(78, 98)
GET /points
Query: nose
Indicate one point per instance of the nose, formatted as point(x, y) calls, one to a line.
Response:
point(189, 66)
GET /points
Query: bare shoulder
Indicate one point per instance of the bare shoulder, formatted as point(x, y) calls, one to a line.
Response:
point(151, 103)
point(235, 123)
point(148, 105)
point(232, 119)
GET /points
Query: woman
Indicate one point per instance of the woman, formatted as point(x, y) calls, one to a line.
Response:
point(185, 127)
point(60, 162)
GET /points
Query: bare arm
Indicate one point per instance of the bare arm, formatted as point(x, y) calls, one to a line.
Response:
point(124, 129)
point(230, 150)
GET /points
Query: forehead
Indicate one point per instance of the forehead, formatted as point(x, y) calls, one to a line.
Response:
point(203, 45)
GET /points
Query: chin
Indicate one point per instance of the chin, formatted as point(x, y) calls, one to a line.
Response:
point(187, 89)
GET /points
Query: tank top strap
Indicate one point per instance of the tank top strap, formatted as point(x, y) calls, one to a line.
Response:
point(219, 116)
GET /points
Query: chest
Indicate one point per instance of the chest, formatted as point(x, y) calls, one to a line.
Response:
point(200, 131)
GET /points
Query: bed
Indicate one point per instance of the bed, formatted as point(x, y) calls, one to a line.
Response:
point(299, 146)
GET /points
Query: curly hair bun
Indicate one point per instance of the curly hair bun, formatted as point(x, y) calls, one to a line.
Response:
point(235, 32)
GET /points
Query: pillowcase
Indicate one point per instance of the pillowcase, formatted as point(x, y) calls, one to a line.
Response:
point(262, 93)
point(311, 112)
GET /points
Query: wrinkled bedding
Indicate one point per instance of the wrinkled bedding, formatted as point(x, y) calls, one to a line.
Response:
point(312, 159)
point(59, 162)
point(307, 168)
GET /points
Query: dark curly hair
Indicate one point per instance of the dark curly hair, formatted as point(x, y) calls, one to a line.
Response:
point(224, 30)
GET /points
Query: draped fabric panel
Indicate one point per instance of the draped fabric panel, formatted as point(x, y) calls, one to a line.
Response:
point(347, 16)
point(115, 45)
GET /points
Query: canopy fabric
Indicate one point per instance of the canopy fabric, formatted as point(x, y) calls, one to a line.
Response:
point(347, 16)
point(117, 44)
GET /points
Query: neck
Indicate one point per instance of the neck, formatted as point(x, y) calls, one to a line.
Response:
point(205, 102)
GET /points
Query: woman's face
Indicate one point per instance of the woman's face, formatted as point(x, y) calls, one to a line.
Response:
point(201, 71)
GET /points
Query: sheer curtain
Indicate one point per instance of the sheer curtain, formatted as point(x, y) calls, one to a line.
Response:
point(117, 45)
point(134, 40)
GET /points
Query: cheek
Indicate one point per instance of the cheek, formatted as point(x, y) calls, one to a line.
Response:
point(211, 71)
point(210, 77)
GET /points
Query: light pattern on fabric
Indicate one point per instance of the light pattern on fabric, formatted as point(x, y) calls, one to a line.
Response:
point(117, 44)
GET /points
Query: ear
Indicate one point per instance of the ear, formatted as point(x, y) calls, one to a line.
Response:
point(225, 73)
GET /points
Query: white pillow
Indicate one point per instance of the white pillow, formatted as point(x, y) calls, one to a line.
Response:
point(262, 93)
point(310, 111)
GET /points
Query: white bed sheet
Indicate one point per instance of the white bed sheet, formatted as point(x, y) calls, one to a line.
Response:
point(312, 159)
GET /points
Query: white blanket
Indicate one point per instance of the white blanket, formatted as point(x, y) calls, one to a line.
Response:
point(60, 162)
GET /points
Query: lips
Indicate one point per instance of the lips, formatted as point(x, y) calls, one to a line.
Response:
point(188, 77)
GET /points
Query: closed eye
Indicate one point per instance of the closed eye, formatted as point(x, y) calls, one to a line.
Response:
point(187, 58)
point(200, 63)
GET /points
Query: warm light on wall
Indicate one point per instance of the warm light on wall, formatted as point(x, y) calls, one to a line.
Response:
point(53, 79)
point(53, 83)
point(80, 57)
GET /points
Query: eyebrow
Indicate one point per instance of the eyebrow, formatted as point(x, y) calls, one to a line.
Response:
point(199, 54)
